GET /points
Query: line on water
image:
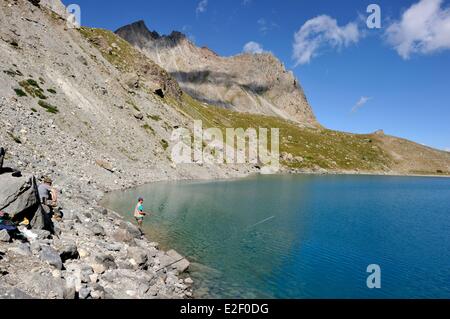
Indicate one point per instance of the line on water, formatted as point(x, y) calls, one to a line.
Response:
point(245, 229)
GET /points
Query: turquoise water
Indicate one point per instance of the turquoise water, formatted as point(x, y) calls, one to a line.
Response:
point(326, 230)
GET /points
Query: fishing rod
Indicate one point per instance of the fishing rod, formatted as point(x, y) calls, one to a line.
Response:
point(209, 245)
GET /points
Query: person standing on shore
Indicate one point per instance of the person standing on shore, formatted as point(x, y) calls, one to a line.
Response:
point(139, 212)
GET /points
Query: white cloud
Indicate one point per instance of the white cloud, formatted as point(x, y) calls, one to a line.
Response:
point(424, 28)
point(253, 47)
point(202, 6)
point(447, 149)
point(320, 32)
point(266, 26)
point(362, 101)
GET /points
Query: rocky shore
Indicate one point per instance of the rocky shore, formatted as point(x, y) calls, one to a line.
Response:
point(92, 253)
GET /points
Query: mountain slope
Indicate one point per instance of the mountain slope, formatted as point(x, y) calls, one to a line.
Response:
point(94, 98)
point(251, 83)
point(66, 104)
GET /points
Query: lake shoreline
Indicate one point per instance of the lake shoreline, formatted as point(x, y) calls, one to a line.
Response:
point(210, 179)
point(300, 173)
point(186, 224)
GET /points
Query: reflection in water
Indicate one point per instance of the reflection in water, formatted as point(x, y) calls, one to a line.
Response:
point(326, 231)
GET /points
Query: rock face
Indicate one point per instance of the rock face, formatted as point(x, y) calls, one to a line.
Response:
point(19, 198)
point(56, 6)
point(252, 83)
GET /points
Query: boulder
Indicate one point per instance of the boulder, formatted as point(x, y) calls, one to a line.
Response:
point(21, 249)
point(73, 276)
point(174, 260)
point(114, 247)
point(127, 232)
point(105, 165)
point(43, 285)
point(139, 116)
point(86, 273)
point(68, 250)
point(132, 229)
point(98, 230)
point(19, 198)
point(69, 293)
point(98, 292)
point(84, 292)
point(137, 256)
point(51, 256)
point(107, 261)
point(4, 236)
point(13, 294)
point(98, 268)
point(122, 235)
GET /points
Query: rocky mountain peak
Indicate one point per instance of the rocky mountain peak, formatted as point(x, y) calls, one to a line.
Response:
point(251, 83)
point(139, 29)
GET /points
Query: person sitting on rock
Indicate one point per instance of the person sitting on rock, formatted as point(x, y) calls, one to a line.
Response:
point(49, 198)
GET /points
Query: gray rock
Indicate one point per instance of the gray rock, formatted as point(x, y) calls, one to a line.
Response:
point(57, 229)
point(174, 260)
point(152, 252)
point(13, 294)
point(51, 256)
point(138, 256)
point(35, 247)
point(4, 236)
point(70, 293)
point(84, 293)
point(72, 216)
point(86, 272)
point(139, 116)
point(98, 230)
point(42, 234)
point(123, 235)
point(68, 250)
point(98, 292)
point(124, 264)
point(114, 247)
point(106, 260)
point(132, 229)
point(21, 249)
point(44, 286)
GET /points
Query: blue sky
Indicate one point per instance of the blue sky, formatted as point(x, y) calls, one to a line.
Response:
point(357, 79)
